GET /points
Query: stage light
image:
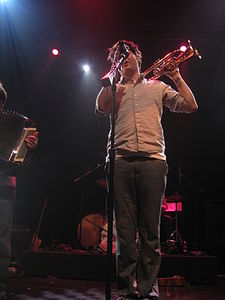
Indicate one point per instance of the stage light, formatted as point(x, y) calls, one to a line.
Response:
point(86, 68)
point(55, 51)
point(2, 1)
point(183, 48)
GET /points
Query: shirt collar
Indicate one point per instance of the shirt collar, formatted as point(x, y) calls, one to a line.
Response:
point(130, 81)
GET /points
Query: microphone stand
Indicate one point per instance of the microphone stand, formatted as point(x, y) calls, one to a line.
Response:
point(111, 78)
point(110, 199)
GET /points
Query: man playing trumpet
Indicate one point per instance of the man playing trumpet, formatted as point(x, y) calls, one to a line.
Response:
point(140, 167)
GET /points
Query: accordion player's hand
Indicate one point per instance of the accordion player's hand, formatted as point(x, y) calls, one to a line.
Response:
point(32, 141)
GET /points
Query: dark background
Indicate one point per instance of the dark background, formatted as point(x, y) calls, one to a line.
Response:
point(55, 92)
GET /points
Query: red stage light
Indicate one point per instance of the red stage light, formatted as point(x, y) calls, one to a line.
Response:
point(55, 51)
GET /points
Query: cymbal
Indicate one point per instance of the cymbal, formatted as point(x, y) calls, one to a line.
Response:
point(102, 183)
point(174, 198)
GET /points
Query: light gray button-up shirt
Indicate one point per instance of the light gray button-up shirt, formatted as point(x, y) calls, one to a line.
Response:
point(138, 129)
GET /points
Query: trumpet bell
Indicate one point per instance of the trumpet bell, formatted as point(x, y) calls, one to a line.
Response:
point(171, 60)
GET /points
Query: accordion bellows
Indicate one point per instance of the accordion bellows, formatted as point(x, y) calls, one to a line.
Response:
point(13, 131)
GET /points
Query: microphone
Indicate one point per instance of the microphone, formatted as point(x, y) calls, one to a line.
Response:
point(107, 79)
point(123, 49)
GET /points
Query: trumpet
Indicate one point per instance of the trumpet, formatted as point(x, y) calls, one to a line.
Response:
point(171, 60)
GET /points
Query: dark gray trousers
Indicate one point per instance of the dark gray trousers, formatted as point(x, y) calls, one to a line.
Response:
point(7, 195)
point(139, 186)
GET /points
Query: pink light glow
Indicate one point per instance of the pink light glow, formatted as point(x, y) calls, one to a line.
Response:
point(55, 51)
point(183, 48)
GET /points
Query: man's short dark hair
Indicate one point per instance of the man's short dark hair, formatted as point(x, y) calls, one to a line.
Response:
point(132, 47)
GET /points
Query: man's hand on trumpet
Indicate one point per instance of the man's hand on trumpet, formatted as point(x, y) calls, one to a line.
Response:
point(172, 72)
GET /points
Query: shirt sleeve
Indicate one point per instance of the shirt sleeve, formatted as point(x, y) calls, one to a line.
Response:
point(172, 99)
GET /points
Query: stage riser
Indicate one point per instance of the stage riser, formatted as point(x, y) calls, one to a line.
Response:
point(195, 269)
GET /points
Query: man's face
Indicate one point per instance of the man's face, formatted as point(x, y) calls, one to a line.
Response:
point(130, 65)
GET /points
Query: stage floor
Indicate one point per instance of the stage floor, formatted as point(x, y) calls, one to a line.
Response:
point(86, 265)
point(27, 288)
point(81, 275)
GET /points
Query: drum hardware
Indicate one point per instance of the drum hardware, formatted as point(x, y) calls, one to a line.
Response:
point(175, 242)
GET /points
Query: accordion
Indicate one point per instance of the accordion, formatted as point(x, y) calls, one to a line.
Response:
point(13, 131)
